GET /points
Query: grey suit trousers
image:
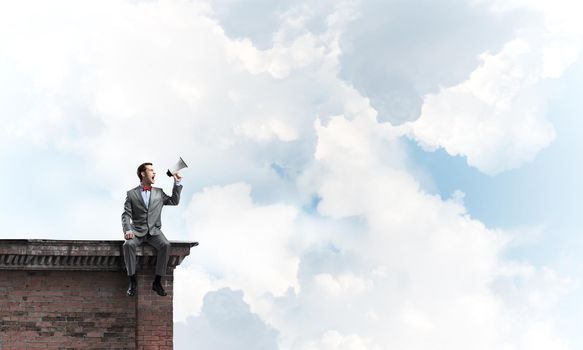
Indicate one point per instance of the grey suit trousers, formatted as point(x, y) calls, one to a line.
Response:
point(159, 242)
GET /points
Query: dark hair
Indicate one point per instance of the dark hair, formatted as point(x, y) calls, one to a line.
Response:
point(141, 168)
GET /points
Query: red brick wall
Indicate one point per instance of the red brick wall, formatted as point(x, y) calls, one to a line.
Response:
point(82, 309)
point(154, 324)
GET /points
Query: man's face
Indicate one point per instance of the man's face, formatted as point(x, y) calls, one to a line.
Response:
point(149, 175)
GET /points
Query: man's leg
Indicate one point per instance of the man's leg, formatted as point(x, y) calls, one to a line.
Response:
point(162, 246)
point(129, 256)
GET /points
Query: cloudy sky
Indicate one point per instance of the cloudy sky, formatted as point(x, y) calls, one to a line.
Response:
point(363, 174)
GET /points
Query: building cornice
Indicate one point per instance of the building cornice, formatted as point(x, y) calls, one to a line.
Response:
point(92, 255)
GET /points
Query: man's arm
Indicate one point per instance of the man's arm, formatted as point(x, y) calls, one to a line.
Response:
point(126, 218)
point(176, 189)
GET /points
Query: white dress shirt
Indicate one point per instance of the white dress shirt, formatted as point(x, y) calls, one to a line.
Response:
point(146, 194)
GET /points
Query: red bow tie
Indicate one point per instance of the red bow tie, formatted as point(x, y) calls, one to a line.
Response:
point(147, 188)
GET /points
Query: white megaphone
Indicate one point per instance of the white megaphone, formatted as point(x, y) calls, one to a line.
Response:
point(176, 168)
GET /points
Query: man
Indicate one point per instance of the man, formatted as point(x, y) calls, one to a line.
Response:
point(141, 223)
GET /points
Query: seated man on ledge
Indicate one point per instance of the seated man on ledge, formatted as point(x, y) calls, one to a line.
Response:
point(141, 222)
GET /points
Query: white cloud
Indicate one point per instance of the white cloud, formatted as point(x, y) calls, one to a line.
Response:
point(161, 80)
point(225, 323)
point(333, 340)
point(191, 283)
point(245, 244)
point(428, 266)
point(343, 284)
point(496, 118)
point(276, 61)
point(396, 52)
point(267, 131)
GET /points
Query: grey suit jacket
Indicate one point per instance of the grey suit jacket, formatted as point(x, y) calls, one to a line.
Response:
point(141, 220)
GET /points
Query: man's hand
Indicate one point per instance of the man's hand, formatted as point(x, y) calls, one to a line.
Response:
point(129, 235)
point(177, 177)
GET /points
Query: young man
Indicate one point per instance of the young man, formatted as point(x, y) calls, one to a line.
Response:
point(141, 223)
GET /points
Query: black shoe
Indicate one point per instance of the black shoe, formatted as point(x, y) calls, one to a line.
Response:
point(157, 287)
point(133, 287)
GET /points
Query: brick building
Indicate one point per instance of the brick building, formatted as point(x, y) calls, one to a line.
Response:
point(72, 294)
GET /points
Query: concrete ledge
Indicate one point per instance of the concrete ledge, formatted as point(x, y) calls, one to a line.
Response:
point(38, 254)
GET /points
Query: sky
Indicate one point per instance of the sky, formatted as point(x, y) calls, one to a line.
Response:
point(362, 174)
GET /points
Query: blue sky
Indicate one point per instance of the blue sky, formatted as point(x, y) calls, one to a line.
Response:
point(542, 192)
point(362, 174)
